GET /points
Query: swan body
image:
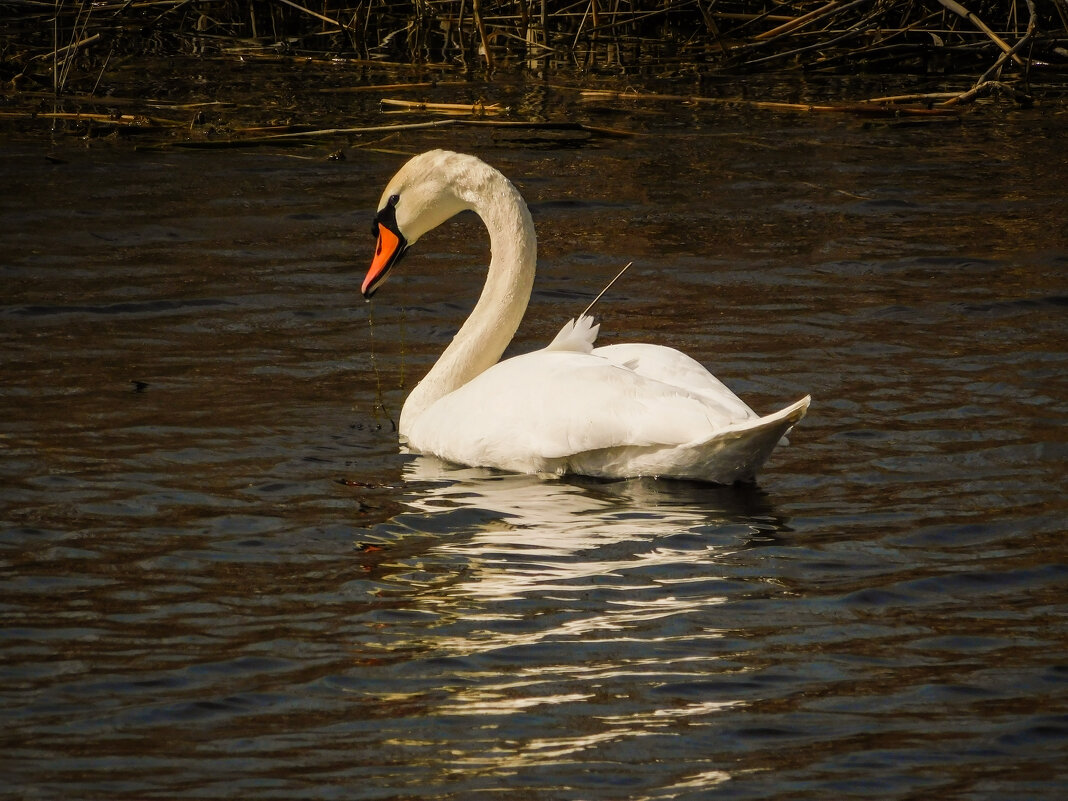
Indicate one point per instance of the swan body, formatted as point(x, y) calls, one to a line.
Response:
point(618, 411)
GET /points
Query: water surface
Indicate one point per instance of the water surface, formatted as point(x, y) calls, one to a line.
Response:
point(221, 578)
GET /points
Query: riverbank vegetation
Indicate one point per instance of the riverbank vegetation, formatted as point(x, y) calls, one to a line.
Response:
point(976, 48)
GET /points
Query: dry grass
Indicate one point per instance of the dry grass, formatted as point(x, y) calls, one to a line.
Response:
point(55, 50)
point(55, 43)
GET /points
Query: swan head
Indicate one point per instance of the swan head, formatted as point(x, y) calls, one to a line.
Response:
point(424, 193)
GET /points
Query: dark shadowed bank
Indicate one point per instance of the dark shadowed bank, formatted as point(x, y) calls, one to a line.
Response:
point(176, 68)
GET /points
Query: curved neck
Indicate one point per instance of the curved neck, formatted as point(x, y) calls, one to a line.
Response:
point(489, 328)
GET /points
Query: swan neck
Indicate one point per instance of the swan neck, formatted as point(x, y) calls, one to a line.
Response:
point(485, 335)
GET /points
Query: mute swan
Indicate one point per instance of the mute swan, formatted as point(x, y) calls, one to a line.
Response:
point(615, 412)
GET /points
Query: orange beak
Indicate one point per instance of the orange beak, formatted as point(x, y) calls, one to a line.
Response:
point(391, 246)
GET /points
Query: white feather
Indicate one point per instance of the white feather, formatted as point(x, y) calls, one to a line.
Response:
point(616, 411)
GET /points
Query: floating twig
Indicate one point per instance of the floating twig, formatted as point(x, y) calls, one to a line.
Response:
point(986, 88)
point(414, 126)
point(446, 108)
point(380, 87)
point(861, 108)
point(122, 120)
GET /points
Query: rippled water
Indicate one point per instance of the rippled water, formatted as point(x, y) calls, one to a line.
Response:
point(221, 579)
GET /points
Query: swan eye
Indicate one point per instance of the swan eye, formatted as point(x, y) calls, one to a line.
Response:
point(387, 216)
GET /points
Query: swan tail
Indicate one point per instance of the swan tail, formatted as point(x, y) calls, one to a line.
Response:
point(738, 454)
point(577, 335)
point(730, 456)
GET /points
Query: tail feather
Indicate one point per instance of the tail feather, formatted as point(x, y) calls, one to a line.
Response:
point(738, 455)
point(576, 335)
point(733, 455)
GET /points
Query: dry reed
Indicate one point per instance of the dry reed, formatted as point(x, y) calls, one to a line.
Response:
point(72, 49)
point(47, 41)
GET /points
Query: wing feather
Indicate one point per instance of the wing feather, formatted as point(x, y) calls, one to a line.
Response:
point(527, 411)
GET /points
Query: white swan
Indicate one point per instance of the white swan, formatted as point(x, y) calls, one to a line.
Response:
point(615, 412)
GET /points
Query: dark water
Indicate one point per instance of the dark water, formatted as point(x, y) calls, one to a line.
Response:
point(220, 578)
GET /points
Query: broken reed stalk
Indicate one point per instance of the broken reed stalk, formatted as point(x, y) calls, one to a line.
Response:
point(316, 14)
point(798, 22)
point(66, 48)
point(447, 108)
point(476, 10)
point(60, 74)
point(120, 120)
point(377, 87)
point(416, 126)
point(1025, 40)
point(862, 108)
point(961, 11)
point(987, 88)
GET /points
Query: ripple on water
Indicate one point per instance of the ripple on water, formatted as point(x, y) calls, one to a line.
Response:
point(220, 578)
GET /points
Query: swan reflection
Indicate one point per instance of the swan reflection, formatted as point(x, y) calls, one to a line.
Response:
point(518, 534)
point(597, 605)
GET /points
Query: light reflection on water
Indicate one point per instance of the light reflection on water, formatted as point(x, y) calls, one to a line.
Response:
point(220, 577)
point(543, 535)
point(542, 566)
